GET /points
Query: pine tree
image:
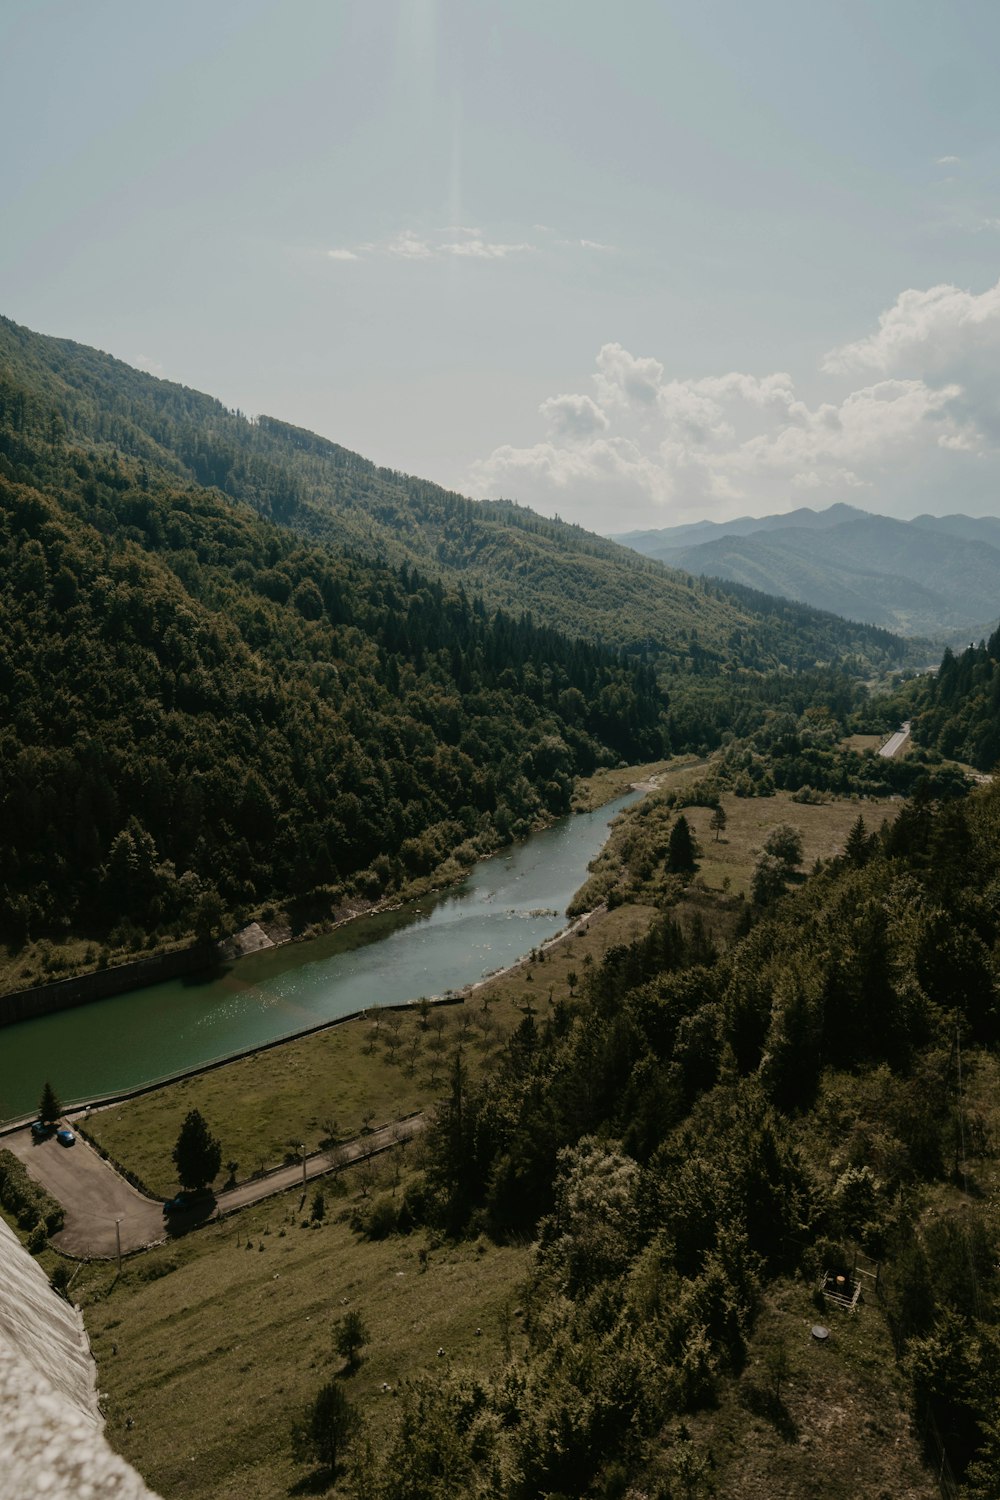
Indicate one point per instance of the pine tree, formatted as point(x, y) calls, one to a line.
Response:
point(856, 848)
point(197, 1155)
point(680, 848)
point(717, 822)
point(50, 1107)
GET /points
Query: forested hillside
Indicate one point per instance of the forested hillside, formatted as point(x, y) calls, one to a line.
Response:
point(695, 1132)
point(200, 713)
point(567, 577)
point(958, 708)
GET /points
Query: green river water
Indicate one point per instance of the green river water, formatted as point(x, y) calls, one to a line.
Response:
point(507, 905)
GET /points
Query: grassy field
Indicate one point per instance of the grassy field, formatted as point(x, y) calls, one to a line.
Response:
point(824, 827)
point(209, 1348)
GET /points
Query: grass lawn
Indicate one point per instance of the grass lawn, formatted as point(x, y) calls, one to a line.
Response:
point(214, 1344)
point(824, 827)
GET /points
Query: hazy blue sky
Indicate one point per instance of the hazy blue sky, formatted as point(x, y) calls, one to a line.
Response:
point(633, 263)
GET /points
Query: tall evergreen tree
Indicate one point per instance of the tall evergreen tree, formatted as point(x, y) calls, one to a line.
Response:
point(197, 1154)
point(50, 1107)
point(680, 848)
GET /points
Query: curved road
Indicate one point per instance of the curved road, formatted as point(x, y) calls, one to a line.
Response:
point(95, 1196)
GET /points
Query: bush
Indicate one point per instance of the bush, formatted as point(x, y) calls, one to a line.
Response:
point(29, 1203)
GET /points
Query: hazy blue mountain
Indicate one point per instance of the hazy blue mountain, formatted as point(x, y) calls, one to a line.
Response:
point(937, 576)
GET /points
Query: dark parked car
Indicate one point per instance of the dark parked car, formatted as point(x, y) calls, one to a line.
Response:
point(65, 1136)
point(40, 1129)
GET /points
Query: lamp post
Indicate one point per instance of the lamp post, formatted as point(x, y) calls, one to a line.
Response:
point(118, 1243)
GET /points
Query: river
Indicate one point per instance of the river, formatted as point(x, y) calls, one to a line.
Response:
point(505, 907)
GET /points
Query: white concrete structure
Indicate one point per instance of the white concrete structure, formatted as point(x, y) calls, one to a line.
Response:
point(51, 1431)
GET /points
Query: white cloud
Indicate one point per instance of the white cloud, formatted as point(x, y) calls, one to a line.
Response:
point(480, 249)
point(947, 161)
point(934, 330)
point(623, 380)
point(410, 246)
point(463, 241)
point(147, 363)
point(646, 441)
point(407, 245)
point(573, 416)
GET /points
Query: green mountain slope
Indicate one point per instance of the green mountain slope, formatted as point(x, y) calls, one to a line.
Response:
point(568, 578)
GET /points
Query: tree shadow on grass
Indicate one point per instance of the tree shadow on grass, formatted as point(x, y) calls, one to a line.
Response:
point(316, 1482)
point(770, 1405)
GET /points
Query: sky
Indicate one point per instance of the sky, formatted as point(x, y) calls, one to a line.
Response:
point(634, 265)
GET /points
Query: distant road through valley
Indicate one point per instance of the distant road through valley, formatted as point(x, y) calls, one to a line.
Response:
point(895, 742)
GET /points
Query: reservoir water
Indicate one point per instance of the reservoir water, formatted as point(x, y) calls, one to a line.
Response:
point(505, 907)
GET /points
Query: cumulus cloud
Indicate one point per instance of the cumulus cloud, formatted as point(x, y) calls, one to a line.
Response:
point(573, 416)
point(933, 330)
point(341, 255)
point(645, 439)
point(947, 161)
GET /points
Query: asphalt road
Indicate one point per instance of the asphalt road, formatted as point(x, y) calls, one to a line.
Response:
point(94, 1195)
point(895, 743)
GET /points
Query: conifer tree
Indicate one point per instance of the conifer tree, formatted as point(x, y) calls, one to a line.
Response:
point(50, 1107)
point(197, 1154)
point(680, 848)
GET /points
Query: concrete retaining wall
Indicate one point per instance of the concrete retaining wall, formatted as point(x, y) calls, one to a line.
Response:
point(64, 994)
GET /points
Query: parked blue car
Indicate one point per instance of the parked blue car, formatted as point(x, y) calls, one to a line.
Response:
point(65, 1136)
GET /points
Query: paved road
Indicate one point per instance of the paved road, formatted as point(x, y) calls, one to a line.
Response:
point(94, 1195)
point(895, 743)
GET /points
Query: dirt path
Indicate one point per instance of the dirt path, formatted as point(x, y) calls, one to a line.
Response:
point(99, 1203)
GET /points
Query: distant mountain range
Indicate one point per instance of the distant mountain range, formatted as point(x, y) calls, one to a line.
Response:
point(934, 575)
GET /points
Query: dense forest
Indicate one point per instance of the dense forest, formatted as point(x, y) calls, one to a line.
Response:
point(202, 713)
point(695, 1127)
point(957, 712)
point(240, 665)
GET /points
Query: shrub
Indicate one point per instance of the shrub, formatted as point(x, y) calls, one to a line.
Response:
point(29, 1203)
